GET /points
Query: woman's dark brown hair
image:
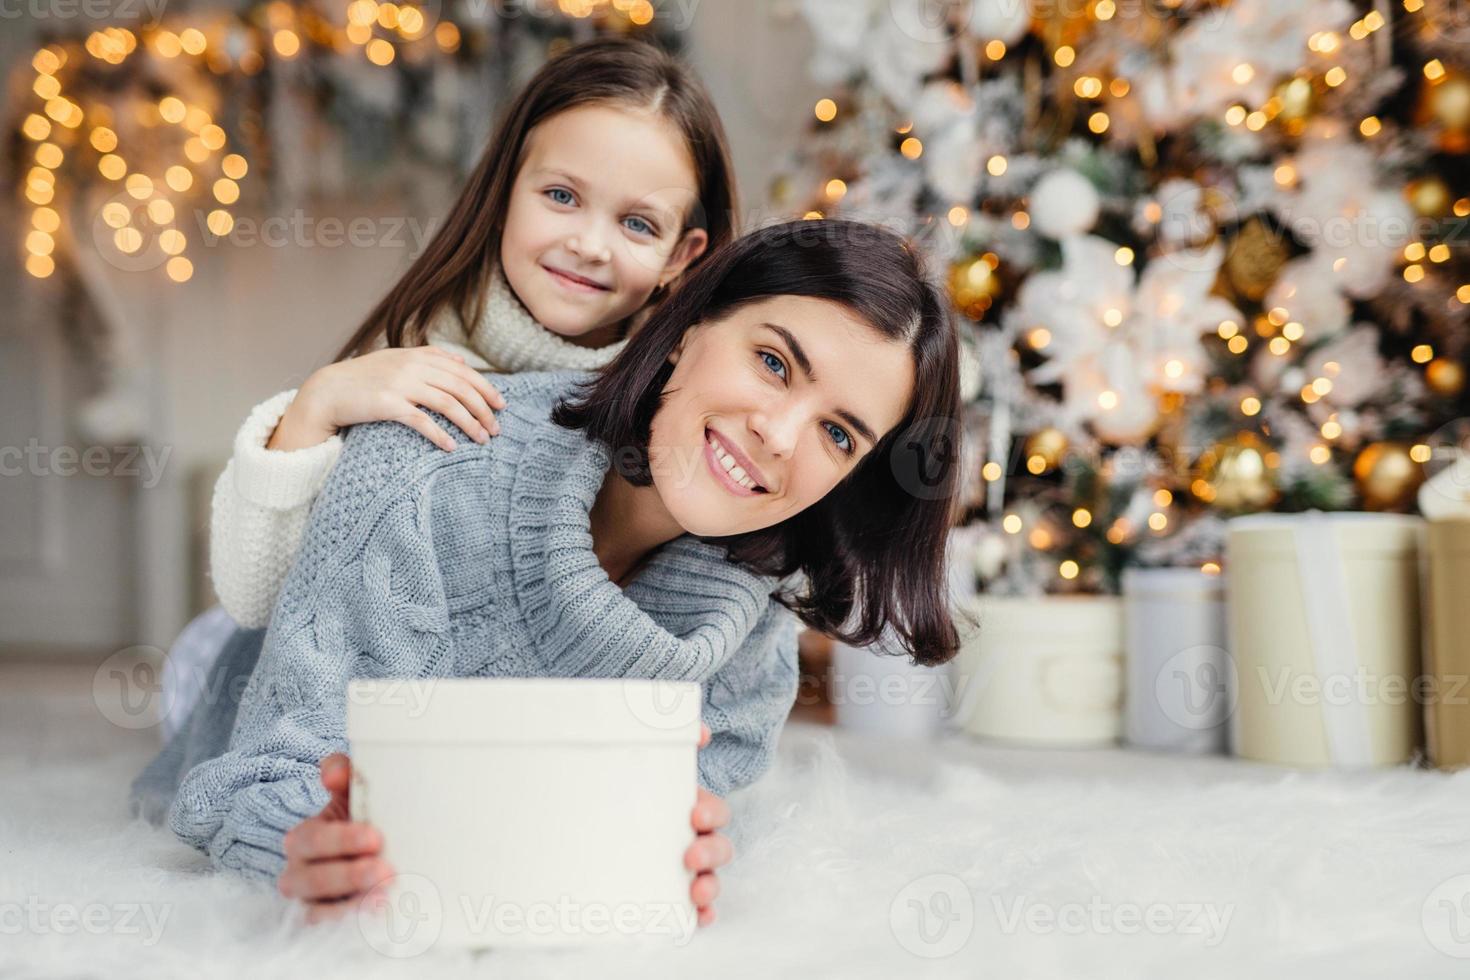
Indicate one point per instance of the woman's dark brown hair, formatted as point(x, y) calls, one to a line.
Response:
point(872, 551)
point(617, 71)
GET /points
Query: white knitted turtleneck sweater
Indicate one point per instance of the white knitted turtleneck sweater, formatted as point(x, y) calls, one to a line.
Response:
point(262, 499)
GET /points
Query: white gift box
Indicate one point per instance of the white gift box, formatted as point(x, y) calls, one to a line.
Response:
point(1043, 671)
point(1324, 631)
point(1177, 691)
point(527, 811)
point(881, 693)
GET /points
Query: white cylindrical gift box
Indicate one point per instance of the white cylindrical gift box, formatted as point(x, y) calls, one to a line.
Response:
point(1043, 671)
point(1324, 631)
point(528, 811)
point(1177, 690)
point(880, 693)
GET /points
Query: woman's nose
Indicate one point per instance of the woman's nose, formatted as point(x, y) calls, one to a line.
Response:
point(777, 431)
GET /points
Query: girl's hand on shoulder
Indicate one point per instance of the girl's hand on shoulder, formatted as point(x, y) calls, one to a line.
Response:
point(391, 385)
point(331, 862)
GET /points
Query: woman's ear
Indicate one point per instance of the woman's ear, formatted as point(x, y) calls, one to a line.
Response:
point(691, 245)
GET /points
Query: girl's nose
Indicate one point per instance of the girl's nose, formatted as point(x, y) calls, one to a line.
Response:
point(589, 246)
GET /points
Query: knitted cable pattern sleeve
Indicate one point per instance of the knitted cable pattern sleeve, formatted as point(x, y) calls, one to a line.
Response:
point(746, 703)
point(364, 599)
point(259, 513)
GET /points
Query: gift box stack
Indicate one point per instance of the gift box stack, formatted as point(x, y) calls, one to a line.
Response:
point(1322, 640)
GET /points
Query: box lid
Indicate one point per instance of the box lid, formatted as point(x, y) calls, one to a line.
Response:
point(522, 710)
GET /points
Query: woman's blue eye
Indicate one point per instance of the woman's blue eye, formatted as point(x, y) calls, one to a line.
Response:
point(839, 435)
point(561, 190)
point(644, 228)
point(768, 357)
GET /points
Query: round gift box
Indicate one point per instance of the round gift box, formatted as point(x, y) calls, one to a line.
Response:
point(1447, 644)
point(527, 811)
point(1324, 630)
point(1043, 671)
point(1177, 692)
point(881, 693)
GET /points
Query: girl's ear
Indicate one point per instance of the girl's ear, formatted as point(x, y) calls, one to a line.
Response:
point(691, 245)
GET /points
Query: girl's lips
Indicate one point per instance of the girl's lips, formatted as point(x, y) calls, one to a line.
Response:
point(574, 282)
point(723, 477)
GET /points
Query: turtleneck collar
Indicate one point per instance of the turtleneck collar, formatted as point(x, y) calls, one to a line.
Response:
point(681, 617)
point(507, 339)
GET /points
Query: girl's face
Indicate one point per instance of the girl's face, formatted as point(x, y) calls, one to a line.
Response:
point(596, 218)
point(794, 390)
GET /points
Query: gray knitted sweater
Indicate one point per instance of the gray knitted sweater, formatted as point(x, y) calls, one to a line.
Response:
point(478, 563)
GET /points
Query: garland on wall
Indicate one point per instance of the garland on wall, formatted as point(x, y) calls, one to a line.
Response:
point(142, 140)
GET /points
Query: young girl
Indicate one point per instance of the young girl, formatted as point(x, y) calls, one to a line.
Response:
point(608, 177)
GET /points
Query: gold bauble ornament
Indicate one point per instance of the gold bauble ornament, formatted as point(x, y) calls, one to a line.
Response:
point(1256, 256)
point(1429, 197)
point(1049, 444)
point(1297, 99)
point(974, 284)
point(1238, 474)
point(1446, 103)
point(1387, 476)
point(1445, 376)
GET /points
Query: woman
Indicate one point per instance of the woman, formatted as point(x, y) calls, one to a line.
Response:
point(661, 518)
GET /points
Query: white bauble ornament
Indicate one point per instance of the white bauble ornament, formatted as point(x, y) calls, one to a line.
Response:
point(1064, 203)
point(999, 20)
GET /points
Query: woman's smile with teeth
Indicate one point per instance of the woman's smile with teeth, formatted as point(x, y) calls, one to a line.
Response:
point(732, 468)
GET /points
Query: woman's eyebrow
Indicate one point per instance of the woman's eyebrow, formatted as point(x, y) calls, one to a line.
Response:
point(805, 363)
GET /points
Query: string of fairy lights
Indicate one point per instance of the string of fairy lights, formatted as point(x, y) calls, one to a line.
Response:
point(167, 155)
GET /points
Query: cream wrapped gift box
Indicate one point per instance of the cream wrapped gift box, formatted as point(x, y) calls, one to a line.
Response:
point(527, 811)
point(1044, 671)
point(1324, 630)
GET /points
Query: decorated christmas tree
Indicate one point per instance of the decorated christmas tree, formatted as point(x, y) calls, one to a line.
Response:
point(1211, 256)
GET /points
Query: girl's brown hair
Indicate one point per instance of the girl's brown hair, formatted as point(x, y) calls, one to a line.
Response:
point(453, 268)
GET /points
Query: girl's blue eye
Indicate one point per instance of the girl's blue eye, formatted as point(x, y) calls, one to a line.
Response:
point(563, 191)
point(644, 228)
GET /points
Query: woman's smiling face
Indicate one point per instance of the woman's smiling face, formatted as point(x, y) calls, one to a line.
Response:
point(770, 407)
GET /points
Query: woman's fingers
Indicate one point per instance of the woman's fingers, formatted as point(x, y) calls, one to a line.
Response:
point(709, 852)
point(710, 812)
point(705, 890)
point(703, 734)
point(318, 839)
point(326, 880)
point(336, 772)
point(329, 911)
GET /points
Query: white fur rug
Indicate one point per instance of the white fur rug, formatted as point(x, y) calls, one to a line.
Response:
point(855, 859)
